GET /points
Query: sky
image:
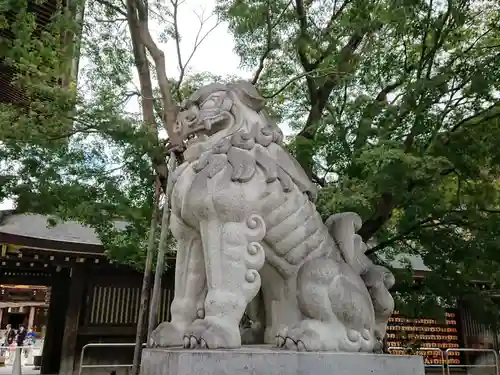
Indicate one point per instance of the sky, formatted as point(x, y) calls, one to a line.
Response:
point(214, 55)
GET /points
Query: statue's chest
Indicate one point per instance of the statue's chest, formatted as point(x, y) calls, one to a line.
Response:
point(194, 193)
point(200, 194)
point(185, 195)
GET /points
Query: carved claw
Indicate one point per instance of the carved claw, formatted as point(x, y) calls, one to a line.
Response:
point(212, 333)
point(280, 341)
point(193, 342)
point(309, 336)
point(167, 335)
point(288, 342)
point(203, 344)
point(301, 347)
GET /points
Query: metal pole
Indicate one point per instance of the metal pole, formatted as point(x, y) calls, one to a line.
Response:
point(16, 369)
point(146, 285)
point(495, 355)
point(81, 366)
point(439, 350)
point(162, 247)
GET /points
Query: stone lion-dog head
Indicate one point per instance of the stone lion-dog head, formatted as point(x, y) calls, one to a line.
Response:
point(230, 119)
point(216, 111)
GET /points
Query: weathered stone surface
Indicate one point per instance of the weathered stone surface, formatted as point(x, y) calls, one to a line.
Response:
point(244, 220)
point(265, 361)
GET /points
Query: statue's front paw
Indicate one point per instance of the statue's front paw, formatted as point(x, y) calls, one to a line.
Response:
point(212, 333)
point(166, 335)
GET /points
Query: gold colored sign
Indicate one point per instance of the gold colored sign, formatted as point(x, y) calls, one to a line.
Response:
point(422, 333)
point(8, 248)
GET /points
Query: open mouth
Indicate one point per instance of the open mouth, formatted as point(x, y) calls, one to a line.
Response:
point(199, 136)
point(207, 127)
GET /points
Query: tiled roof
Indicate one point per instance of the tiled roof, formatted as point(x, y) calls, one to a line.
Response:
point(36, 226)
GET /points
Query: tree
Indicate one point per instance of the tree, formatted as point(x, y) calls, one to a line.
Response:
point(393, 105)
point(73, 154)
point(396, 113)
point(83, 152)
point(77, 152)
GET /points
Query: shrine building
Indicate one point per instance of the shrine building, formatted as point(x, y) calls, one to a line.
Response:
point(59, 281)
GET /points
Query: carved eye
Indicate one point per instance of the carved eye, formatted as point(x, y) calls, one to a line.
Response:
point(191, 116)
point(177, 128)
point(211, 102)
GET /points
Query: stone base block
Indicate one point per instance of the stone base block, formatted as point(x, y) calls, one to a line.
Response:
point(258, 360)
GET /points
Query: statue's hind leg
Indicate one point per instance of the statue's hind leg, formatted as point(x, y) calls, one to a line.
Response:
point(337, 309)
point(233, 258)
point(280, 301)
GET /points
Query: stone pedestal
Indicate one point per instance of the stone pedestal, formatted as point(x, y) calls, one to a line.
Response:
point(258, 360)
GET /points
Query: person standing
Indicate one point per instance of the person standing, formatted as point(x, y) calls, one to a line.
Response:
point(10, 335)
point(30, 337)
point(8, 338)
point(21, 336)
point(29, 342)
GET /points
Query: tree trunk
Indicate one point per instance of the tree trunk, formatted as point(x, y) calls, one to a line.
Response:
point(137, 16)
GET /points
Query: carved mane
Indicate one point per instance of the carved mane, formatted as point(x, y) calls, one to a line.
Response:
point(252, 140)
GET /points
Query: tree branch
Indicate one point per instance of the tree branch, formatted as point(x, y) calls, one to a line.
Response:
point(321, 73)
point(199, 39)
point(269, 46)
point(99, 20)
point(110, 5)
point(424, 70)
point(338, 123)
point(301, 52)
point(175, 4)
point(323, 93)
point(331, 46)
point(382, 214)
point(430, 222)
point(146, 87)
point(488, 113)
point(170, 109)
point(303, 36)
point(319, 98)
point(318, 180)
point(335, 15)
point(399, 237)
point(370, 112)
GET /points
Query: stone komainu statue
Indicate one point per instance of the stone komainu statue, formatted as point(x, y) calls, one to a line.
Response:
point(244, 218)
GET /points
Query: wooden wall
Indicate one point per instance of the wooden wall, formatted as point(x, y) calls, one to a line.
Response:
point(109, 313)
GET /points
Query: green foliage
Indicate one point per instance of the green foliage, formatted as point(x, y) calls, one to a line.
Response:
point(82, 152)
point(394, 106)
point(396, 113)
point(78, 154)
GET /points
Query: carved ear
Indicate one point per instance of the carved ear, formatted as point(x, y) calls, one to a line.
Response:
point(248, 94)
point(204, 92)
